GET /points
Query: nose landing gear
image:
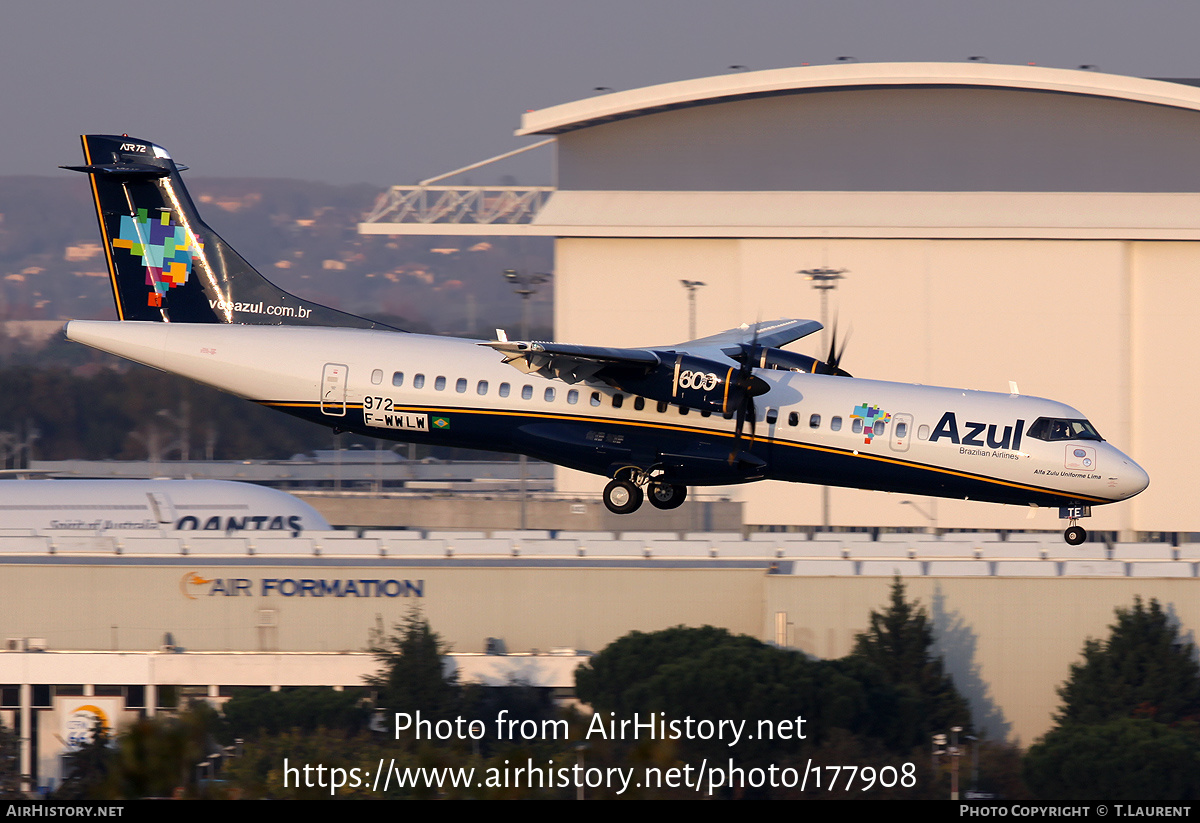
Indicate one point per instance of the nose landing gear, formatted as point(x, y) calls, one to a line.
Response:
point(1075, 534)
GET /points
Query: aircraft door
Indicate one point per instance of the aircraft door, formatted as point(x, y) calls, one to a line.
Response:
point(333, 390)
point(902, 432)
point(772, 420)
point(162, 508)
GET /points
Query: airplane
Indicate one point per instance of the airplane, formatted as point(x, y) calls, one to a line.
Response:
point(98, 506)
point(730, 408)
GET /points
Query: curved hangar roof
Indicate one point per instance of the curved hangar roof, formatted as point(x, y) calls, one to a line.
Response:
point(883, 127)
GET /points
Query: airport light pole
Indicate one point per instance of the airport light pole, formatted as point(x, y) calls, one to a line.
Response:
point(183, 421)
point(692, 286)
point(931, 515)
point(525, 284)
point(824, 280)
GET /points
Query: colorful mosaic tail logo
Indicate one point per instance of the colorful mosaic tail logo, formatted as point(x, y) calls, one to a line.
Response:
point(870, 415)
point(166, 249)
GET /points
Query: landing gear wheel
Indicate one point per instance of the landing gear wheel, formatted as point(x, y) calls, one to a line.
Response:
point(1075, 535)
point(622, 497)
point(666, 496)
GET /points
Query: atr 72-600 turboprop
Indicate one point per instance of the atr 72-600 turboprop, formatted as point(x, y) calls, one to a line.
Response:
point(730, 408)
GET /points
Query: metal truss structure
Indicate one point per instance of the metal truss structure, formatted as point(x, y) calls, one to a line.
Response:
point(483, 205)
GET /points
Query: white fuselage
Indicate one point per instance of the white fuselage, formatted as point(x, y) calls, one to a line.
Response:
point(810, 428)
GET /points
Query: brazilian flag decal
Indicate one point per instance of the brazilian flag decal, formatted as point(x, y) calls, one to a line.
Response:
point(441, 422)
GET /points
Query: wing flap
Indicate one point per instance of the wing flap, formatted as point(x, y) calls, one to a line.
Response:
point(571, 364)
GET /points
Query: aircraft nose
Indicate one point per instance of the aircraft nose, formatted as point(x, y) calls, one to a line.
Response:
point(1134, 479)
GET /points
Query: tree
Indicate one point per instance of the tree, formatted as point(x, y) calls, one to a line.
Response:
point(412, 676)
point(1126, 728)
point(899, 642)
point(1144, 669)
point(605, 681)
point(10, 765)
point(710, 675)
point(250, 712)
point(88, 767)
point(1123, 759)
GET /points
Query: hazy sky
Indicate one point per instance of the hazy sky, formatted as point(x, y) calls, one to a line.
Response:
point(393, 92)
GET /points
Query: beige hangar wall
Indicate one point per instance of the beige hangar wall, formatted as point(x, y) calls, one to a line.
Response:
point(1099, 324)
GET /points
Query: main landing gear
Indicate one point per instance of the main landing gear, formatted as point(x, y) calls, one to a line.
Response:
point(624, 495)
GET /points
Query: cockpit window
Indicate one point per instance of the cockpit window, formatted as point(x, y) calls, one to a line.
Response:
point(1058, 428)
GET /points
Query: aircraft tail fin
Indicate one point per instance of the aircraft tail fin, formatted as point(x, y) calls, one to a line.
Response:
point(165, 263)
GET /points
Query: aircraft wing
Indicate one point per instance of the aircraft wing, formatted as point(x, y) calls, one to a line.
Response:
point(572, 363)
point(768, 334)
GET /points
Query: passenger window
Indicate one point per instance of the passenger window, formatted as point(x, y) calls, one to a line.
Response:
point(835, 423)
point(482, 387)
point(772, 416)
point(639, 403)
point(857, 425)
point(595, 399)
point(814, 421)
point(922, 432)
point(618, 400)
point(706, 413)
point(662, 406)
point(684, 409)
point(793, 419)
point(398, 379)
point(460, 385)
point(902, 430)
point(377, 377)
point(419, 381)
point(439, 383)
point(505, 389)
point(727, 415)
point(549, 395)
point(879, 427)
point(526, 392)
point(573, 396)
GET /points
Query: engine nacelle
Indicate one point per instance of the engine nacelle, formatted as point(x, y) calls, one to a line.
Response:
point(765, 358)
point(694, 382)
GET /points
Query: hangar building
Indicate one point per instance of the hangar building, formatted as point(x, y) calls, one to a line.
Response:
point(996, 223)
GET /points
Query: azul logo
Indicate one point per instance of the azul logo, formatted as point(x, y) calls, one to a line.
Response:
point(978, 434)
point(870, 415)
point(166, 249)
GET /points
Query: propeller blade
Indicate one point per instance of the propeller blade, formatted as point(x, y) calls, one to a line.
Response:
point(834, 359)
point(750, 386)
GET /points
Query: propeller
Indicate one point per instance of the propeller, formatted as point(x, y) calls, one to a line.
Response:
point(752, 355)
point(751, 386)
point(834, 358)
